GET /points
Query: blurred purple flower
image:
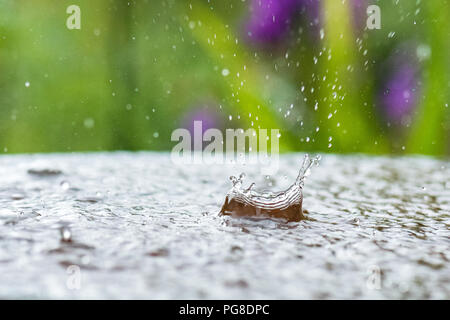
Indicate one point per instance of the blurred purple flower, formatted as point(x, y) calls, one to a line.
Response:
point(359, 12)
point(206, 115)
point(208, 119)
point(270, 20)
point(400, 90)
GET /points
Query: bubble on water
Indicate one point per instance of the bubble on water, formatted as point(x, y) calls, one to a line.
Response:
point(155, 134)
point(65, 185)
point(66, 234)
point(17, 196)
point(225, 72)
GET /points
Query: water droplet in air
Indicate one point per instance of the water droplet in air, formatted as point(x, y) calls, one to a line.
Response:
point(89, 123)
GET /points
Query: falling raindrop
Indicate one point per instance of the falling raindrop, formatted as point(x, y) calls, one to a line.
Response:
point(89, 123)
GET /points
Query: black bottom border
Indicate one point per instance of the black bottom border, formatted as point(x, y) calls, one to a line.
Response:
point(224, 309)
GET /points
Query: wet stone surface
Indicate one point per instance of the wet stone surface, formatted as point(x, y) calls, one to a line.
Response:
point(133, 225)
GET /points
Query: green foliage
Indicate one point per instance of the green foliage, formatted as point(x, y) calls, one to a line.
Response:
point(137, 69)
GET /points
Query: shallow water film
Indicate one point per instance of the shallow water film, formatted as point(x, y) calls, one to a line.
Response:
point(133, 225)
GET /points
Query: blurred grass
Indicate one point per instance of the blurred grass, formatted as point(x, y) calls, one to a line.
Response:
point(430, 130)
point(352, 122)
point(137, 69)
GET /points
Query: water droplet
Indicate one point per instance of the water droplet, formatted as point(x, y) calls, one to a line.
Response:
point(65, 185)
point(66, 234)
point(225, 72)
point(89, 123)
point(27, 84)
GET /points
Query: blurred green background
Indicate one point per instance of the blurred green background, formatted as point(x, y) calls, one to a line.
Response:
point(137, 70)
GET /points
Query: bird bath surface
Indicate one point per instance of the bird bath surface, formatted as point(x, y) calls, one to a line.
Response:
point(133, 225)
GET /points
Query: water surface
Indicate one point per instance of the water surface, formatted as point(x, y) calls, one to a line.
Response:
point(137, 226)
